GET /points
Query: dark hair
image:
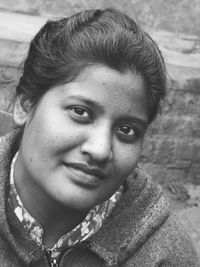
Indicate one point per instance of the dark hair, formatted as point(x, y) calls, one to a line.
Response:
point(63, 48)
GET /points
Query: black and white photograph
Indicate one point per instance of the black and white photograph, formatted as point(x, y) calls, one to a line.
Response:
point(100, 133)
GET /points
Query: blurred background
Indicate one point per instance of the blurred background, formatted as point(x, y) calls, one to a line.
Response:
point(172, 147)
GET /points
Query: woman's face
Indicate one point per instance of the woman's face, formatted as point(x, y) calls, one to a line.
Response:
point(85, 137)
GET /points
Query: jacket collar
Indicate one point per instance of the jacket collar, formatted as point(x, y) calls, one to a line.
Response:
point(141, 210)
point(26, 250)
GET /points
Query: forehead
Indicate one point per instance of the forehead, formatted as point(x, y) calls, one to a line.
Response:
point(110, 82)
point(102, 75)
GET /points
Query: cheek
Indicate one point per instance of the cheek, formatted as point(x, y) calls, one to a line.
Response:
point(47, 134)
point(127, 159)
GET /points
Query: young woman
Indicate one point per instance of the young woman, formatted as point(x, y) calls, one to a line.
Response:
point(71, 192)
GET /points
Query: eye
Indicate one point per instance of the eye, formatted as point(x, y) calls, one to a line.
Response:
point(80, 113)
point(127, 133)
point(127, 130)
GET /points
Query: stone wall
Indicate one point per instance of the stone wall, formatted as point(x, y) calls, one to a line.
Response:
point(170, 15)
point(172, 147)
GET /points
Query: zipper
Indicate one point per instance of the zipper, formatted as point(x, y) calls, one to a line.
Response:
point(54, 263)
point(54, 257)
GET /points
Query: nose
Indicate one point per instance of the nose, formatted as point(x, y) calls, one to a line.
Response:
point(98, 144)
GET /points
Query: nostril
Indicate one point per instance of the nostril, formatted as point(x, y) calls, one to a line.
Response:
point(98, 151)
point(99, 141)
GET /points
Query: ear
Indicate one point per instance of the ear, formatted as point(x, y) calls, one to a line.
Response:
point(21, 110)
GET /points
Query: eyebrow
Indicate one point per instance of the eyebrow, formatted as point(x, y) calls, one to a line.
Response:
point(92, 103)
point(96, 104)
point(140, 122)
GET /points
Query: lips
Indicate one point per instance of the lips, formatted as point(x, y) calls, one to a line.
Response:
point(84, 175)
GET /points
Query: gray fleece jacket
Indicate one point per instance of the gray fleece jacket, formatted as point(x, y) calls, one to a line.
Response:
point(140, 232)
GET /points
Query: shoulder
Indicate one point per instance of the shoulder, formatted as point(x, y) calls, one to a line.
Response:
point(168, 246)
point(6, 122)
point(9, 143)
point(162, 240)
point(177, 244)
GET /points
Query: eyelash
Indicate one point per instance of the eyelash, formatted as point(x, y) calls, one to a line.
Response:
point(76, 110)
point(128, 137)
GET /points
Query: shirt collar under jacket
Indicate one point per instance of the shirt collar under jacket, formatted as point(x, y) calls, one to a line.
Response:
point(88, 227)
